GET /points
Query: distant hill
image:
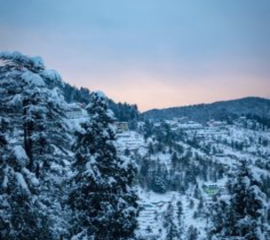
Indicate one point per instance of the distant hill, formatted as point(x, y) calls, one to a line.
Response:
point(223, 110)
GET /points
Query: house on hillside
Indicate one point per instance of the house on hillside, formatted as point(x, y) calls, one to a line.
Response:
point(213, 189)
point(214, 123)
point(121, 127)
point(191, 125)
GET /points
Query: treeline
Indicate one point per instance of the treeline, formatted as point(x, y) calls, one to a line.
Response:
point(123, 112)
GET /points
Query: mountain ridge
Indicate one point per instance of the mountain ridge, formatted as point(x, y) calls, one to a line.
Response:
point(214, 102)
point(219, 110)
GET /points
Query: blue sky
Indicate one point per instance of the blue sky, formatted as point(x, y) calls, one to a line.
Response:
point(155, 53)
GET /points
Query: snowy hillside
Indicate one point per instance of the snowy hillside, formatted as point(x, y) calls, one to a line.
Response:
point(188, 162)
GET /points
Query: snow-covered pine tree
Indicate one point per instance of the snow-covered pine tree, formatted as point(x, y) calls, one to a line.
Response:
point(242, 215)
point(35, 108)
point(179, 215)
point(158, 184)
point(50, 151)
point(22, 215)
point(30, 95)
point(172, 231)
point(101, 197)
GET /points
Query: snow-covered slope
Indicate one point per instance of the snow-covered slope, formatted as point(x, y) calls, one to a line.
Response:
point(219, 146)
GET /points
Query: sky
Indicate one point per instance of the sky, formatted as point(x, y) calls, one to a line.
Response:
point(155, 53)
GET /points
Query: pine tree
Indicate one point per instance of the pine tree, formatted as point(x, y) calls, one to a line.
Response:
point(174, 160)
point(21, 211)
point(101, 198)
point(35, 108)
point(158, 184)
point(179, 214)
point(171, 228)
point(241, 216)
point(30, 94)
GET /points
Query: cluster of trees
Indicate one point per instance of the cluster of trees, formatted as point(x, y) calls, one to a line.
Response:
point(123, 112)
point(256, 122)
point(52, 186)
point(243, 214)
point(184, 167)
point(102, 180)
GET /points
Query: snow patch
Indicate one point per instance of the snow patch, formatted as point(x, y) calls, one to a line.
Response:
point(20, 154)
point(52, 75)
point(33, 79)
point(21, 181)
point(100, 94)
